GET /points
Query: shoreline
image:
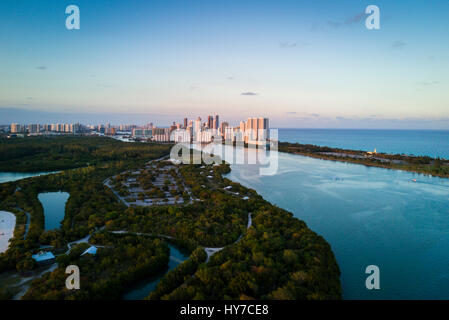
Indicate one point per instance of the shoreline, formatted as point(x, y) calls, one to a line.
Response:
point(7, 227)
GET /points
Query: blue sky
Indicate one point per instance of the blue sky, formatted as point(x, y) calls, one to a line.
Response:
point(300, 63)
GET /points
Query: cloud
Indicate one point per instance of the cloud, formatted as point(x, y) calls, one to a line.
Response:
point(292, 45)
point(398, 44)
point(106, 85)
point(347, 22)
point(428, 83)
point(42, 68)
point(354, 19)
point(291, 112)
point(249, 94)
point(230, 78)
point(334, 24)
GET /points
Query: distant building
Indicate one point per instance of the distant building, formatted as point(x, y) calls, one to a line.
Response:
point(173, 127)
point(142, 133)
point(181, 135)
point(33, 128)
point(109, 131)
point(161, 134)
point(223, 127)
point(216, 123)
point(197, 130)
point(16, 128)
point(210, 122)
point(256, 129)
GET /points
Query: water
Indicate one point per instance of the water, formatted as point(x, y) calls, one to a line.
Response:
point(54, 208)
point(144, 288)
point(433, 143)
point(14, 176)
point(369, 216)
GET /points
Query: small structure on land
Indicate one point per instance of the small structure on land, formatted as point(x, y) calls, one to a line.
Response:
point(92, 250)
point(43, 258)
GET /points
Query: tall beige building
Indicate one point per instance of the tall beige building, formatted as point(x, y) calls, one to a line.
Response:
point(256, 129)
point(16, 128)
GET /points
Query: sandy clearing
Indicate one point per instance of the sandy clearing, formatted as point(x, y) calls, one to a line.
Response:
point(7, 225)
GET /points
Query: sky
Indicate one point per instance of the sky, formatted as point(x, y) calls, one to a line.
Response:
point(300, 63)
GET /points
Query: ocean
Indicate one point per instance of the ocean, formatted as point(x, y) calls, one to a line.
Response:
point(432, 143)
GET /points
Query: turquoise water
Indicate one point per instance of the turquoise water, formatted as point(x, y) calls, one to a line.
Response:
point(369, 216)
point(433, 143)
point(13, 176)
point(54, 208)
point(144, 288)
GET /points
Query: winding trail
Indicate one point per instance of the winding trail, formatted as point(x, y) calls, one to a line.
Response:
point(211, 251)
point(142, 234)
point(83, 240)
point(107, 184)
point(27, 225)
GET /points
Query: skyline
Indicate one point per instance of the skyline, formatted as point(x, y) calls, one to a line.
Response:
point(24, 116)
point(299, 63)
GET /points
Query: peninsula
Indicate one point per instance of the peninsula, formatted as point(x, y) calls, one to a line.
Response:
point(419, 164)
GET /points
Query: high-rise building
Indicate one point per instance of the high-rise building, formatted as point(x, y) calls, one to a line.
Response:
point(180, 135)
point(109, 131)
point(210, 122)
point(223, 127)
point(16, 128)
point(216, 123)
point(197, 129)
point(172, 127)
point(33, 128)
point(262, 129)
point(256, 129)
point(161, 134)
point(242, 126)
point(142, 133)
point(185, 123)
